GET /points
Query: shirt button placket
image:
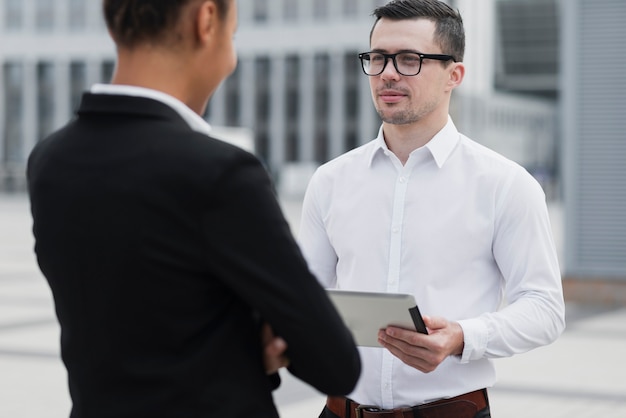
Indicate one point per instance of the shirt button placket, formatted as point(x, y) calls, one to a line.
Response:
point(395, 247)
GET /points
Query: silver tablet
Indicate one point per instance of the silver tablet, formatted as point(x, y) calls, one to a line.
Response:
point(364, 313)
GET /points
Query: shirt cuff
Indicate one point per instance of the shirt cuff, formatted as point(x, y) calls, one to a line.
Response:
point(476, 337)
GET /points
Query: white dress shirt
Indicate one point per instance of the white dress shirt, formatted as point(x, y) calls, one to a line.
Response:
point(463, 229)
point(194, 120)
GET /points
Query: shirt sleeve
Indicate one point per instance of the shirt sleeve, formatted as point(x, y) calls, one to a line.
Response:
point(523, 248)
point(312, 236)
point(264, 266)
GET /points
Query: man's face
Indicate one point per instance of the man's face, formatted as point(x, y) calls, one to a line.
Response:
point(400, 99)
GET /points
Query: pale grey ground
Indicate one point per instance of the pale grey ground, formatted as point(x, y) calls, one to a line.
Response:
point(581, 375)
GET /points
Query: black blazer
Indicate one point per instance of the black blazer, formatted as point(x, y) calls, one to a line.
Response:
point(164, 250)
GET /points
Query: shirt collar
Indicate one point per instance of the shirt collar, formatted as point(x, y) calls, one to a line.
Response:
point(443, 143)
point(440, 146)
point(194, 121)
point(380, 146)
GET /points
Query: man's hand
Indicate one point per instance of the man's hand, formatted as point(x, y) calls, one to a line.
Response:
point(273, 350)
point(420, 351)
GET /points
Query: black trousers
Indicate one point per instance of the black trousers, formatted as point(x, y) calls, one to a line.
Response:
point(485, 413)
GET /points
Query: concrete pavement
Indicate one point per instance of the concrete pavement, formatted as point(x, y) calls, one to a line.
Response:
point(581, 375)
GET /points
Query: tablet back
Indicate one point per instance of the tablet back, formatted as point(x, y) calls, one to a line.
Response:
point(364, 313)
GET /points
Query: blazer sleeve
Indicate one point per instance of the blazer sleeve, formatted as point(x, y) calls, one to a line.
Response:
point(256, 251)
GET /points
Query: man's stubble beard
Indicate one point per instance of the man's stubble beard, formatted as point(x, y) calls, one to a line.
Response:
point(406, 116)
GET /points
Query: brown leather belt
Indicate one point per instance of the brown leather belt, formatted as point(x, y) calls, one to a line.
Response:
point(462, 406)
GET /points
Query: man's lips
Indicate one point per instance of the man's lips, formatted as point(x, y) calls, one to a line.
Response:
point(391, 96)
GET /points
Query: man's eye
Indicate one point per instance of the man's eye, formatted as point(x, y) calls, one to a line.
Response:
point(409, 59)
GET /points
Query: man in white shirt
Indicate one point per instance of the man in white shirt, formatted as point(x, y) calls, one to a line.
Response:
point(422, 209)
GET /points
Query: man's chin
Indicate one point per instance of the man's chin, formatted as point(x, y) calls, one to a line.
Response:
point(401, 118)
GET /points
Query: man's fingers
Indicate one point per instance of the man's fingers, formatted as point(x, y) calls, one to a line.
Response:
point(410, 337)
point(404, 351)
point(435, 322)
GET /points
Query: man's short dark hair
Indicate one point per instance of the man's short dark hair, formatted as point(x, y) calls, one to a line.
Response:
point(449, 32)
point(132, 22)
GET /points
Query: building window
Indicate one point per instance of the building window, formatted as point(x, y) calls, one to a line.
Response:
point(13, 103)
point(352, 77)
point(292, 106)
point(232, 105)
point(351, 139)
point(77, 14)
point(320, 9)
point(290, 10)
point(292, 77)
point(527, 59)
point(262, 67)
point(321, 106)
point(106, 71)
point(261, 10)
point(292, 146)
point(45, 99)
point(44, 15)
point(13, 14)
point(78, 83)
point(262, 146)
point(350, 8)
point(351, 111)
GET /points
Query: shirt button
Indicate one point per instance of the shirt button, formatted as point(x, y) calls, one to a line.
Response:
point(402, 179)
point(395, 230)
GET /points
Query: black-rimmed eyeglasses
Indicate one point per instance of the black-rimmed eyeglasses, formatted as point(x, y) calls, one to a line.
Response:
point(405, 63)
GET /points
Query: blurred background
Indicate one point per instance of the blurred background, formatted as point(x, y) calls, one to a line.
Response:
point(545, 86)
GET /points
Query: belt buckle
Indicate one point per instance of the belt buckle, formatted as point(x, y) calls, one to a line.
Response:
point(368, 408)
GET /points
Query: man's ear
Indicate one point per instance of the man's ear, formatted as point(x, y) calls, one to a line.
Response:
point(207, 20)
point(457, 73)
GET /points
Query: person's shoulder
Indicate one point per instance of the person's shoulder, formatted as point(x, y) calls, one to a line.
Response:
point(207, 158)
point(350, 160)
point(197, 146)
point(342, 172)
point(53, 141)
point(497, 169)
point(486, 157)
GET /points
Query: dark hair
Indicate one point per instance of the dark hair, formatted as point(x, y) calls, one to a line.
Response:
point(449, 32)
point(132, 22)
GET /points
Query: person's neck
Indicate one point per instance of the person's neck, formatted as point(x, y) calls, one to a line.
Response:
point(155, 70)
point(402, 140)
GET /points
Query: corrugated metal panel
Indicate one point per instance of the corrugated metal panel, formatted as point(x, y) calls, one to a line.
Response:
point(528, 33)
point(599, 116)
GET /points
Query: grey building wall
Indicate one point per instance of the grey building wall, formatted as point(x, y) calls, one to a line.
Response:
point(50, 51)
point(298, 86)
point(594, 138)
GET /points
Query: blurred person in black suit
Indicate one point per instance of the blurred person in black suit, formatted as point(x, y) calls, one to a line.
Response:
point(177, 283)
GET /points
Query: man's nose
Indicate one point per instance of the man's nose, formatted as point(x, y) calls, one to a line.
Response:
point(389, 72)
